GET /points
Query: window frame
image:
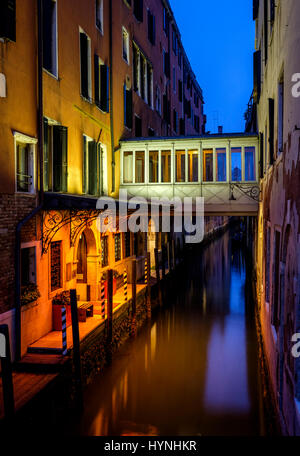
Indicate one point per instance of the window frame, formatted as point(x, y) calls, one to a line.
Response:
point(54, 47)
point(89, 66)
point(127, 43)
point(32, 143)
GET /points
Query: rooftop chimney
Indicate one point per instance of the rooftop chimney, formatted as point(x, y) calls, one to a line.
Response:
point(220, 129)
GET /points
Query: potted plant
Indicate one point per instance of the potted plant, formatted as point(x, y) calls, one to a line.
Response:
point(29, 294)
point(60, 300)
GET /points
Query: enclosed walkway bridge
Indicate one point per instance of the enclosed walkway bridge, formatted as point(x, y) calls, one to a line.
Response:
point(221, 168)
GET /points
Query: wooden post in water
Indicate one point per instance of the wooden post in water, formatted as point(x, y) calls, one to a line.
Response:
point(133, 326)
point(109, 314)
point(163, 260)
point(64, 330)
point(173, 254)
point(157, 265)
point(7, 379)
point(76, 349)
point(169, 256)
point(148, 285)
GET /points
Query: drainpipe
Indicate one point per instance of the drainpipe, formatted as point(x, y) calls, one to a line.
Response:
point(18, 325)
point(112, 139)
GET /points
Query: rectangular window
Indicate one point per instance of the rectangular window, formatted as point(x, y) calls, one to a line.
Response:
point(101, 85)
point(28, 266)
point(117, 247)
point(56, 274)
point(91, 167)
point(99, 15)
point(55, 157)
point(165, 166)
point(150, 84)
point(266, 30)
point(153, 167)
point(151, 28)
point(85, 66)
point(151, 132)
point(166, 21)
point(208, 165)
point(8, 20)
point(140, 167)
point(138, 10)
point(104, 251)
point(276, 278)
point(180, 91)
point(221, 165)
point(166, 63)
point(128, 107)
point(236, 164)
point(250, 164)
point(267, 265)
point(50, 36)
point(280, 115)
point(138, 127)
point(180, 165)
point(175, 120)
point(128, 168)
point(25, 167)
point(143, 78)
point(174, 79)
point(179, 57)
point(182, 127)
point(158, 100)
point(125, 46)
point(136, 68)
point(127, 244)
point(193, 166)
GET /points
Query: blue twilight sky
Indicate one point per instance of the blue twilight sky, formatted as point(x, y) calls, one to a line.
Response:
point(218, 37)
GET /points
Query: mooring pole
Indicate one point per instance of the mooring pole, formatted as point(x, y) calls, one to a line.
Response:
point(76, 349)
point(109, 314)
point(148, 285)
point(169, 257)
point(157, 265)
point(133, 330)
point(7, 378)
point(173, 254)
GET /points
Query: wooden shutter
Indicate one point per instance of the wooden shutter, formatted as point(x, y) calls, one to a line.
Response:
point(97, 84)
point(84, 65)
point(8, 19)
point(93, 183)
point(104, 81)
point(257, 75)
point(60, 158)
point(46, 156)
point(271, 129)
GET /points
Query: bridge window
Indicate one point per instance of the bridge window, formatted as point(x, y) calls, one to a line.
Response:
point(166, 166)
point(236, 164)
point(193, 166)
point(221, 165)
point(140, 167)
point(180, 165)
point(153, 167)
point(250, 163)
point(208, 165)
point(128, 168)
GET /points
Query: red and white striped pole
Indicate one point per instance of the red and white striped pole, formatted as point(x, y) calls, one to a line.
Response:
point(125, 276)
point(102, 299)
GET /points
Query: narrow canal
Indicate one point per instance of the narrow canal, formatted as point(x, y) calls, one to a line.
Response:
point(194, 369)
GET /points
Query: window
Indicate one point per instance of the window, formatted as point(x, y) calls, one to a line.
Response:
point(179, 57)
point(140, 167)
point(101, 85)
point(128, 168)
point(166, 166)
point(193, 168)
point(174, 41)
point(127, 107)
point(117, 247)
point(151, 27)
point(180, 90)
point(85, 66)
point(166, 63)
point(143, 66)
point(138, 10)
point(136, 69)
point(50, 36)
point(28, 266)
point(267, 264)
point(150, 85)
point(166, 109)
point(166, 21)
point(125, 41)
point(174, 79)
point(221, 165)
point(138, 127)
point(82, 260)
point(182, 127)
point(55, 157)
point(197, 123)
point(208, 165)
point(127, 244)
point(91, 167)
point(151, 132)
point(280, 115)
point(8, 20)
point(99, 15)
point(153, 166)
point(257, 75)
point(55, 265)
point(266, 30)
point(25, 163)
point(250, 174)
point(104, 251)
point(180, 165)
point(236, 164)
point(276, 279)
point(158, 100)
point(175, 121)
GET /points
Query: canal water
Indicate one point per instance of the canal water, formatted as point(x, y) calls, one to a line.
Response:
point(194, 369)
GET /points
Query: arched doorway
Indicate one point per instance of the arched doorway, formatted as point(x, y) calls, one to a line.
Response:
point(82, 260)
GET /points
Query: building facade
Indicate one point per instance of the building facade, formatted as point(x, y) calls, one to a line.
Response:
point(276, 97)
point(88, 75)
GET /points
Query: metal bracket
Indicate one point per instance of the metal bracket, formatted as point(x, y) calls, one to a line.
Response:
point(252, 192)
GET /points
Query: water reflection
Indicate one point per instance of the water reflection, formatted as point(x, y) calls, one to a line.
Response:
point(193, 369)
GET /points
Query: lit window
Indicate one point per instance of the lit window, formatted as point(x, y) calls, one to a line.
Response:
point(128, 168)
point(221, 165)
point(250, 163)
point(125, 40)
point(153, 166)
point(140, 167)
point(208, 165)
point(193, 162)
point(166, 166)
point(25, 163)
point(180, 165)
point(236, 164)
